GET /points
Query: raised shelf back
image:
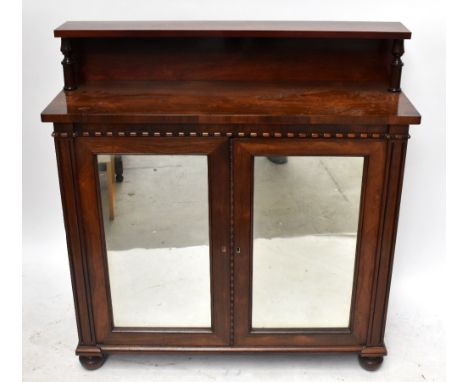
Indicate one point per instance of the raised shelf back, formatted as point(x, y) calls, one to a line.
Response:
point(231, 59)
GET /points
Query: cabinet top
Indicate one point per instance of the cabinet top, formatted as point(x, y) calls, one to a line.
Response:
point(231, 102)
point(289, 29)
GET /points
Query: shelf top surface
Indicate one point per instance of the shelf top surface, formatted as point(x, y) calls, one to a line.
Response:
point(224, 102)
point(304, 29)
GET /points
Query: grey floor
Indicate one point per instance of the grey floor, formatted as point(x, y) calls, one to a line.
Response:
point(307, 206)
point(306, 196)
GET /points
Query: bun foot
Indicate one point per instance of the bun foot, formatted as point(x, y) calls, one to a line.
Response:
point(370, 363)
point(92, 363)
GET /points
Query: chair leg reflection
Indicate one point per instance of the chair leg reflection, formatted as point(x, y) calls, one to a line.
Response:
point(278, 159)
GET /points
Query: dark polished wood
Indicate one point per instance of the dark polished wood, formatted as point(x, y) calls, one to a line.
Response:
point(370, 363)
point(231, 91)
point(232, 59)
point(226, 102)
point(310, 29)
point(69, 65)
point(92, 363)
point(397, 65)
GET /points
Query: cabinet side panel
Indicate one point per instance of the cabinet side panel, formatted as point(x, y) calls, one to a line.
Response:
point(66, 171)
point(396, 151)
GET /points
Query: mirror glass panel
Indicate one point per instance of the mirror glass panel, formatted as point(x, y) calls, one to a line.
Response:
point(306, 213)
point(157, 235)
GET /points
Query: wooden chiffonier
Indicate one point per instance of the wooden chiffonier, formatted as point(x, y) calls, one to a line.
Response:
point(231, 186)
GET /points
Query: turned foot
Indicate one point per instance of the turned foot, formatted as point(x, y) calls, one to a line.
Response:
point(370, 363)
point(92, 363)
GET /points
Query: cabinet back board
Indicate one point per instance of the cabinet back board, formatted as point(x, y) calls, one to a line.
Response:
point(232, 59)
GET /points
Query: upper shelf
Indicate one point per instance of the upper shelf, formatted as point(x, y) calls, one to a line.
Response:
point(228, 72)
point(219, 102)
point(277, 29)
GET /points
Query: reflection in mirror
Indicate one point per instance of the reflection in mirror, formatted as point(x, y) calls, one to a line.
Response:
point(306, 212)
point(156, 232)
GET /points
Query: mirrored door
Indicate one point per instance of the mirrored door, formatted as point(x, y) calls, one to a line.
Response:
point(301, 248)
point(305, 225)
point(159, 238)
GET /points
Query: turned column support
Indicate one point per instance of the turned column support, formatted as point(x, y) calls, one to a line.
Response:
point(398, 49)
point(69, 65)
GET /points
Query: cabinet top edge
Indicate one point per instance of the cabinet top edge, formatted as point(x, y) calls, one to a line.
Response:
point(285, 29)
point(194, 102)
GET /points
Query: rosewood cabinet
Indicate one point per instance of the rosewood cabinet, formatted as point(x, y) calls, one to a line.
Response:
point(255, 200)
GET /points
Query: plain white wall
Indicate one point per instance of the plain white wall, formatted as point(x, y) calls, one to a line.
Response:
point(421, 235)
